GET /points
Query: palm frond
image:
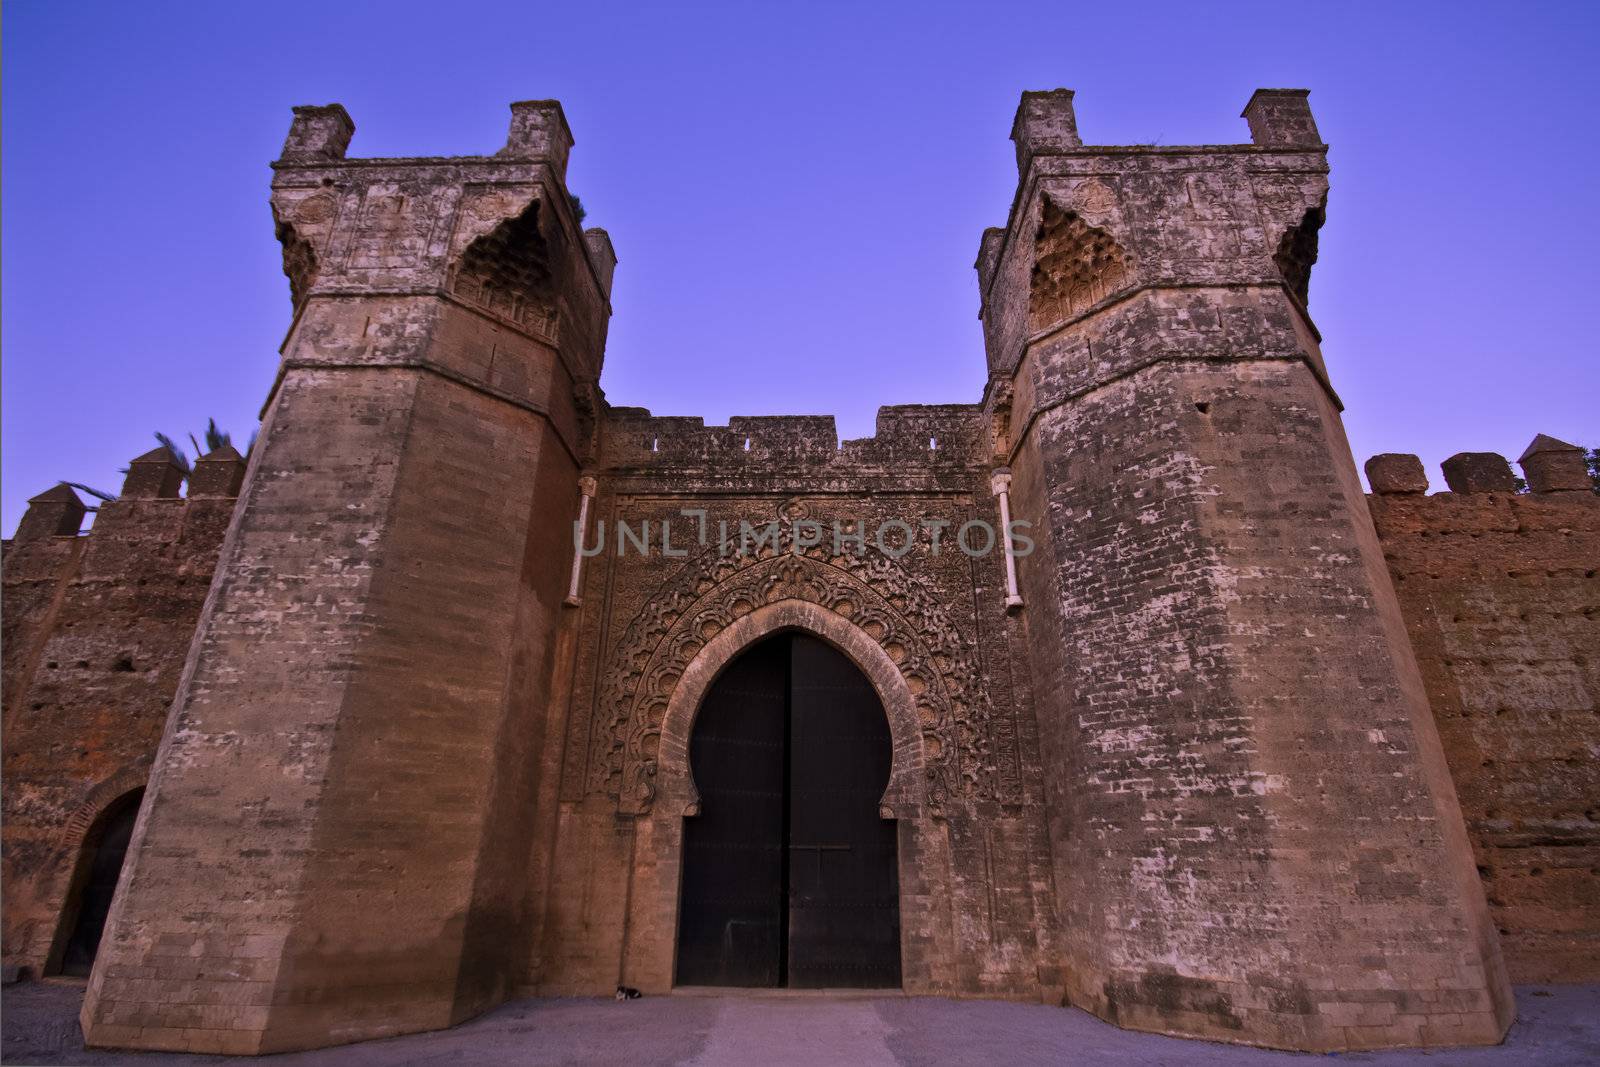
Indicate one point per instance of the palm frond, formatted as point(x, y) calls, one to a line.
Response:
point(216, 438)
point(92, 491)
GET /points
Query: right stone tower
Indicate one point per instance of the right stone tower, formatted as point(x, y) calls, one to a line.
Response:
point(1254, 832)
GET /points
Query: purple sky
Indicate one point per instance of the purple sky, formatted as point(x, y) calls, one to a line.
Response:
point(795, 194)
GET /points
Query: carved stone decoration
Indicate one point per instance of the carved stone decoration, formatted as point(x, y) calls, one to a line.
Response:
point(299, 262)
point(794, 509)
point(484, 207)
point(1076, 266)
point(506, 272)
point(316, 210)
point(587, 401)
point(303, 222)
point(1292, 211)
point(1094, 201)
point(876, 595)
point(1297, 253)
point(1001, 397)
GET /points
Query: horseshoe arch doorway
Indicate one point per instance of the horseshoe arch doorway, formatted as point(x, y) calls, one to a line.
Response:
point(790, 873)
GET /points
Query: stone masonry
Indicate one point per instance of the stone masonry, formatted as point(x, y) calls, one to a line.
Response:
point(1217, 654)
point(96, 630)
point(1499, 595)
point(1237, 758)
point(334, 842)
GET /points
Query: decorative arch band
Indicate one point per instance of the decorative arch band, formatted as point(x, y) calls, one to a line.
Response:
point(870, 607)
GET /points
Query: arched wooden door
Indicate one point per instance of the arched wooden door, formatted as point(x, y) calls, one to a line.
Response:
point(790, 874)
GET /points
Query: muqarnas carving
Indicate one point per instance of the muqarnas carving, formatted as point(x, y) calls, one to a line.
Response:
point(1075, 267)
point(506, 272)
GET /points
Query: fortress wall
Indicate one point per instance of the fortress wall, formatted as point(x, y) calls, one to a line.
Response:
point(1502, 603)
point(1498, 590)
point(97, 629)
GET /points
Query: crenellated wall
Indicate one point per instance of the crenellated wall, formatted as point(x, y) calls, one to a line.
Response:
point(1498, 590)
point(97, 627)
point(1502, 603)
point(909, 436)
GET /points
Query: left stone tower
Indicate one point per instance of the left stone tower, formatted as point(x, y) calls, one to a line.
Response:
point(333, 843)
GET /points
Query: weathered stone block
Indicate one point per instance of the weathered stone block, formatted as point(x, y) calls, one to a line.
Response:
point(55, 512)
point(1045, 122)
point(1395, 472)
point(1478, 472)
point(1281, 118)
point(154, 474)
point(318, 134)
point(218, 473)
point(602, 257)
point(539, 130)
point(1553, 466)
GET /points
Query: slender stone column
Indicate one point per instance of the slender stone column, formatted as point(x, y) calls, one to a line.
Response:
point(1000, 485)
point(580, 531)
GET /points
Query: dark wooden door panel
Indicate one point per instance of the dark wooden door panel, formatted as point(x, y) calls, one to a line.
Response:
point(731, 926)
point(789, 874)
point(844, 915)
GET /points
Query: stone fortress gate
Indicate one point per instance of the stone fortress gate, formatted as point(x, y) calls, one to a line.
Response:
point(1176, 765)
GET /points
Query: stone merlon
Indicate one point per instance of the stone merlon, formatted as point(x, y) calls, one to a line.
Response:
point(539, 130)
point(1044, 123)
point(1553, 466)
point(1281, 118)
point(318, 134)
point(55, 512)
point(154, 474)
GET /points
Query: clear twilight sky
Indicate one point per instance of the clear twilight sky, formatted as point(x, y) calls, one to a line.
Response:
point(795, 192)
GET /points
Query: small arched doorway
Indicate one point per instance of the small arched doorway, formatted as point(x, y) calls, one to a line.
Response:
point(790, 873)
point(104, 848)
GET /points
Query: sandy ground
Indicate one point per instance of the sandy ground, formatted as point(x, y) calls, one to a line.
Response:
point(1555, 1025)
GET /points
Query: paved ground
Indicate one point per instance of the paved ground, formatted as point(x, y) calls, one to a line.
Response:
point(1556, 1025)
